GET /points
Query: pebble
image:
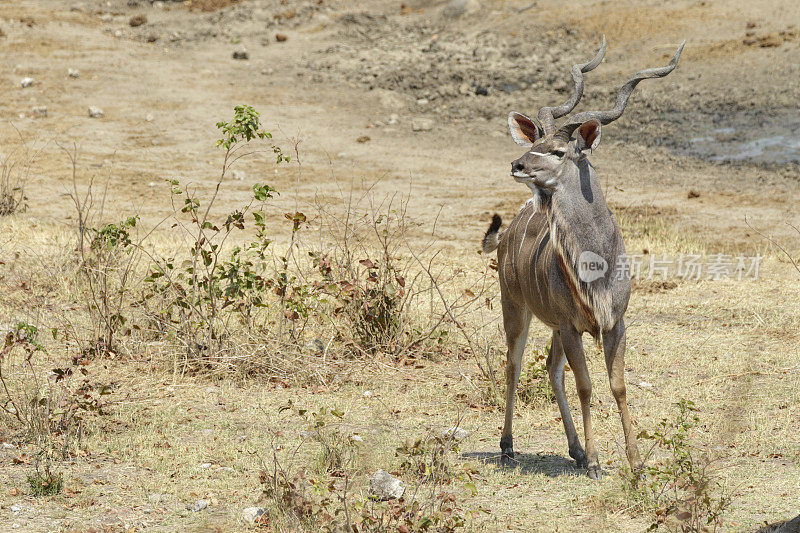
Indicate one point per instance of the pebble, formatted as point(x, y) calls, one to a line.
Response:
point(480, 90)
point(149, 117)
point(205, 465)
point(199, 505)
point(384, 486)
point(394, 118)
point(8, 446)
point(457, 8)
point(26, 82)
point(73, 73)
point(252, 516)
point(281, 37)
point(118, 33)
point(106, 17)
point(422, 101)
point(137, 20)
point(422, 124)
point(241, 53)
point(239, 175)
point(95, 112)
point(15, 509)
point(40, 111)
point(356, 438)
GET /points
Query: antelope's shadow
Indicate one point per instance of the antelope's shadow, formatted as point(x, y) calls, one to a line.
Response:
point(531, 463)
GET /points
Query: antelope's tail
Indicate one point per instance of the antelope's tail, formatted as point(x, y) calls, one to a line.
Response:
point(492, 238)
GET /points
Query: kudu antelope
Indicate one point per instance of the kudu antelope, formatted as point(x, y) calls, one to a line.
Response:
point(562, 260)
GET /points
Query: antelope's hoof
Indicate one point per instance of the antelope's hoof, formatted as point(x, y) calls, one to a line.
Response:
point(507, 457)
point(594, 472)
point(580, 457)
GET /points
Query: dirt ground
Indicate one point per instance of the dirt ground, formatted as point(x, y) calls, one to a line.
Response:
point(709, 156)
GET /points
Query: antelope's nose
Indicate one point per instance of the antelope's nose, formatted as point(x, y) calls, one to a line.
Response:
point(517, 166)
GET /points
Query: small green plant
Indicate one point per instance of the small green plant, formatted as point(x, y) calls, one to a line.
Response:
point(199, 300)
point(677, 488)
point(534, 383)
point(44, 481)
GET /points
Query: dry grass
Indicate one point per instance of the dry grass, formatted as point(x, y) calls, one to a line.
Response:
point(729, 346)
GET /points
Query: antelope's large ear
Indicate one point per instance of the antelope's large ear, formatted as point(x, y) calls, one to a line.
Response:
point(588, 135)
point(523, 129)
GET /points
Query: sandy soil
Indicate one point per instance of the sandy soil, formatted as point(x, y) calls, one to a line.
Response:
point(344, 88)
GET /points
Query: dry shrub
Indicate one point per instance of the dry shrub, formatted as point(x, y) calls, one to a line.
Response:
point(15, 168)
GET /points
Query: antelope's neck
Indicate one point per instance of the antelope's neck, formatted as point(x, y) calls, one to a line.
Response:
point(585, 241)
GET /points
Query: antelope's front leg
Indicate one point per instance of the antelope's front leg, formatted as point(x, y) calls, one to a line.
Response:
point(573, 348)
point(516, 324)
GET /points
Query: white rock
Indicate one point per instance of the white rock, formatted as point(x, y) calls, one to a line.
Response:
point(8, 446)
point(95, 112)
point(457, 8)
point(367, 394)
point(205, 465)
point(149, 117)
point(40, 111)
point(199, 505)
point(356, 438)
point(384, 486)
point(252, 516)
point(422, 101)
point(241, 53)
point(15, 509)
point(118, 33)
point(394, 118)
point(422, 124)
point(645, 385)
point(26, 82)
point(456, 433)
point(106, 17)
point(73, 73)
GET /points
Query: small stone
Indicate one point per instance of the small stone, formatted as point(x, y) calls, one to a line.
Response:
point(363, 139)
point(457, 8)
point(239, 175)
point(205, 465)
point(422, 124)
point(241, 53)
point(394, 118)
point(693, 194)
point(252, 516)
point(26, 82)
point(118, 33)
point(95, 112)
point(149, 117)
point(281, 37)
point(152, 38)
point(8, 446)
point(422, 101)
point(15, 509)
point(106, 17)
point(456, 433)
point(73, 73)
point(367, 394)
point(199, 505)
point(40, 111)
point(646, 385)
point(384, 486)
point(137, 20)
point(480, 90)
point(357, 438)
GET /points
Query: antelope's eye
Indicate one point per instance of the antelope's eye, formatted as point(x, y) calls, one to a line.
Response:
point(558, 153)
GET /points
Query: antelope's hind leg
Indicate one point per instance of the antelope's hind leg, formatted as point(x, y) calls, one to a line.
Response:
point(614, 348)
point(516, 320)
